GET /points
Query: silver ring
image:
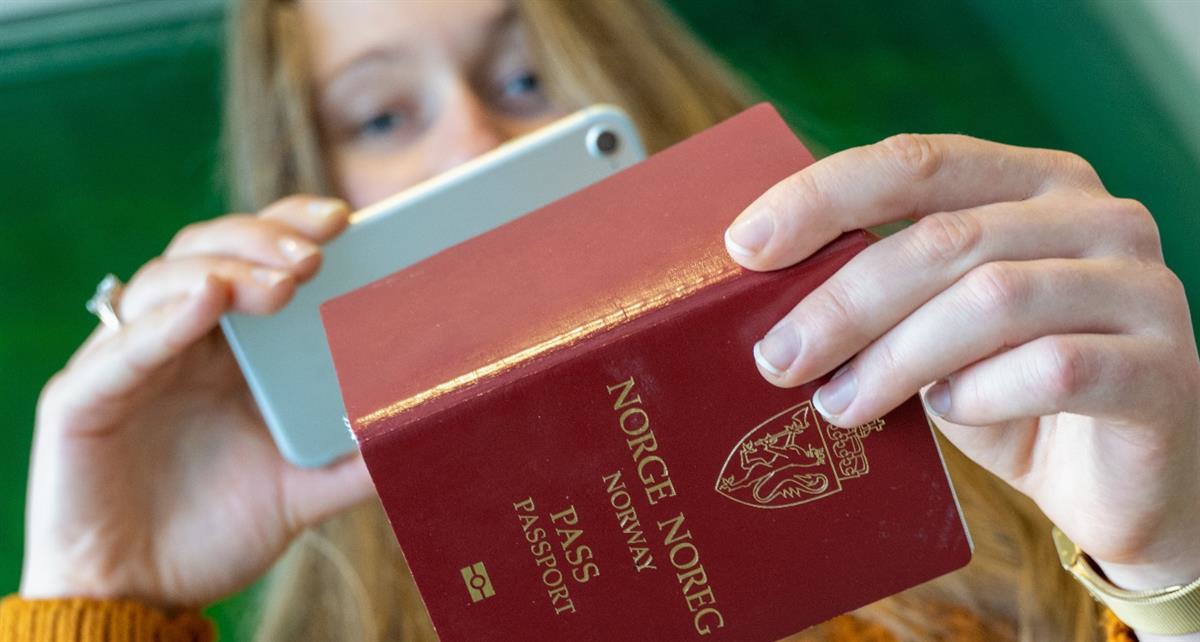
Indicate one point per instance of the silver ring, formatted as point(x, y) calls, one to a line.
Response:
point(103, 302)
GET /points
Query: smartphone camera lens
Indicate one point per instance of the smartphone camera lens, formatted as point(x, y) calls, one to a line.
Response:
point(602, 142)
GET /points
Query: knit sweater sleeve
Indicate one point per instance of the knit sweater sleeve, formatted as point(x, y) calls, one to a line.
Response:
point(87, 620)
point(1114, 629)
point(84, 620)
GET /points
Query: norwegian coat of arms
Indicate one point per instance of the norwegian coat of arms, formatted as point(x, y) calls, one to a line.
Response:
point(793, 458)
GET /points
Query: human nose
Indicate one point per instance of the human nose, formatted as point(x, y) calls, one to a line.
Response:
point(468, 129)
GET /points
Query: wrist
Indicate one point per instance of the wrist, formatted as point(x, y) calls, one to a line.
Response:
point(52, 581)
point(1151, 575)
point(1154, 574)
point(1166, 561)
point(42, 584)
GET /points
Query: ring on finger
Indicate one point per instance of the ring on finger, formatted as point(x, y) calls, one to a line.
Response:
point(103, 302)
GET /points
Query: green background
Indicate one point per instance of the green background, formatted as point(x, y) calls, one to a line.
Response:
point(108, 124)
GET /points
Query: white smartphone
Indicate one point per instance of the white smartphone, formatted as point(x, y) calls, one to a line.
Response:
point(284, 356)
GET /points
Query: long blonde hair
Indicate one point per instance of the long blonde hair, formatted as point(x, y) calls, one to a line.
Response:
point(346, 578)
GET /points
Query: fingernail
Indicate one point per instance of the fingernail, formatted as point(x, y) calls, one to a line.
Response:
point(749, 235)
point(833, 398)
point(776, 351)
point(296, 250)
point(325, 208)
point(199, 288)
point(937, 398)
point(268, 277)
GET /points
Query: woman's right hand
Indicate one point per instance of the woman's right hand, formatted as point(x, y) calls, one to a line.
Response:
point(153, 476)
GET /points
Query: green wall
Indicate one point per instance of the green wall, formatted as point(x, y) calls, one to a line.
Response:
point(109, 140)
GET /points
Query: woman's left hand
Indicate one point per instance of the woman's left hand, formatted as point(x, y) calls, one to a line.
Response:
point(1060, 344)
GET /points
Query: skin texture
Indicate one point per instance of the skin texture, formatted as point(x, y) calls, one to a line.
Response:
point(152, 475)
point(1059, 347)
point(407, 92)
point(1041, 303)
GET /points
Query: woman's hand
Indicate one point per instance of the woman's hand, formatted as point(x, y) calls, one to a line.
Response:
point(153, 476)
point(1061, 346)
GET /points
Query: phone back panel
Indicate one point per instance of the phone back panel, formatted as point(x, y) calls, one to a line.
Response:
point(284, 356)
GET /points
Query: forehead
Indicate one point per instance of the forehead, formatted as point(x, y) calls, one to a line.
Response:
point(342, 31)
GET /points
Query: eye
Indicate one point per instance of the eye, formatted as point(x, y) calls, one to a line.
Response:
point(381, 124)
point(522, 95)
point(521, 84)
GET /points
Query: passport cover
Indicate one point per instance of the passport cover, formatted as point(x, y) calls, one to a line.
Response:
point(566, 427)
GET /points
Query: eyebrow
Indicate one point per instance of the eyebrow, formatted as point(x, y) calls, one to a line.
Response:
point(498, 28)
point(369, 57)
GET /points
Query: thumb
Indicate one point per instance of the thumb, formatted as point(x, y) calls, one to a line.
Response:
point(312, 495)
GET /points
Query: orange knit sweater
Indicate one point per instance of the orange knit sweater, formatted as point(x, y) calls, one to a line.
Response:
point(81, 620)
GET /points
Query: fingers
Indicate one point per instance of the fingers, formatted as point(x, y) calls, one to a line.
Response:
point(905, 176)
point(249, 239)
point(94, 387)
point(890, 279)
point(285, 235)
point(257, 259)
point(253, 289)
point(262, 257)
point(1081, 373)
point(318, 219)
point(992, 308)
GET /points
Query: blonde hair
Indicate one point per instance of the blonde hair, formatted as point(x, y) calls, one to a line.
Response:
point(346, 578)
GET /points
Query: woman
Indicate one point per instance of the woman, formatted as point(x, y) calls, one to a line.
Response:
point(1063, 350)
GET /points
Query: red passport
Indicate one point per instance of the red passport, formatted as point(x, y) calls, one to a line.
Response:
point(566, 427)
